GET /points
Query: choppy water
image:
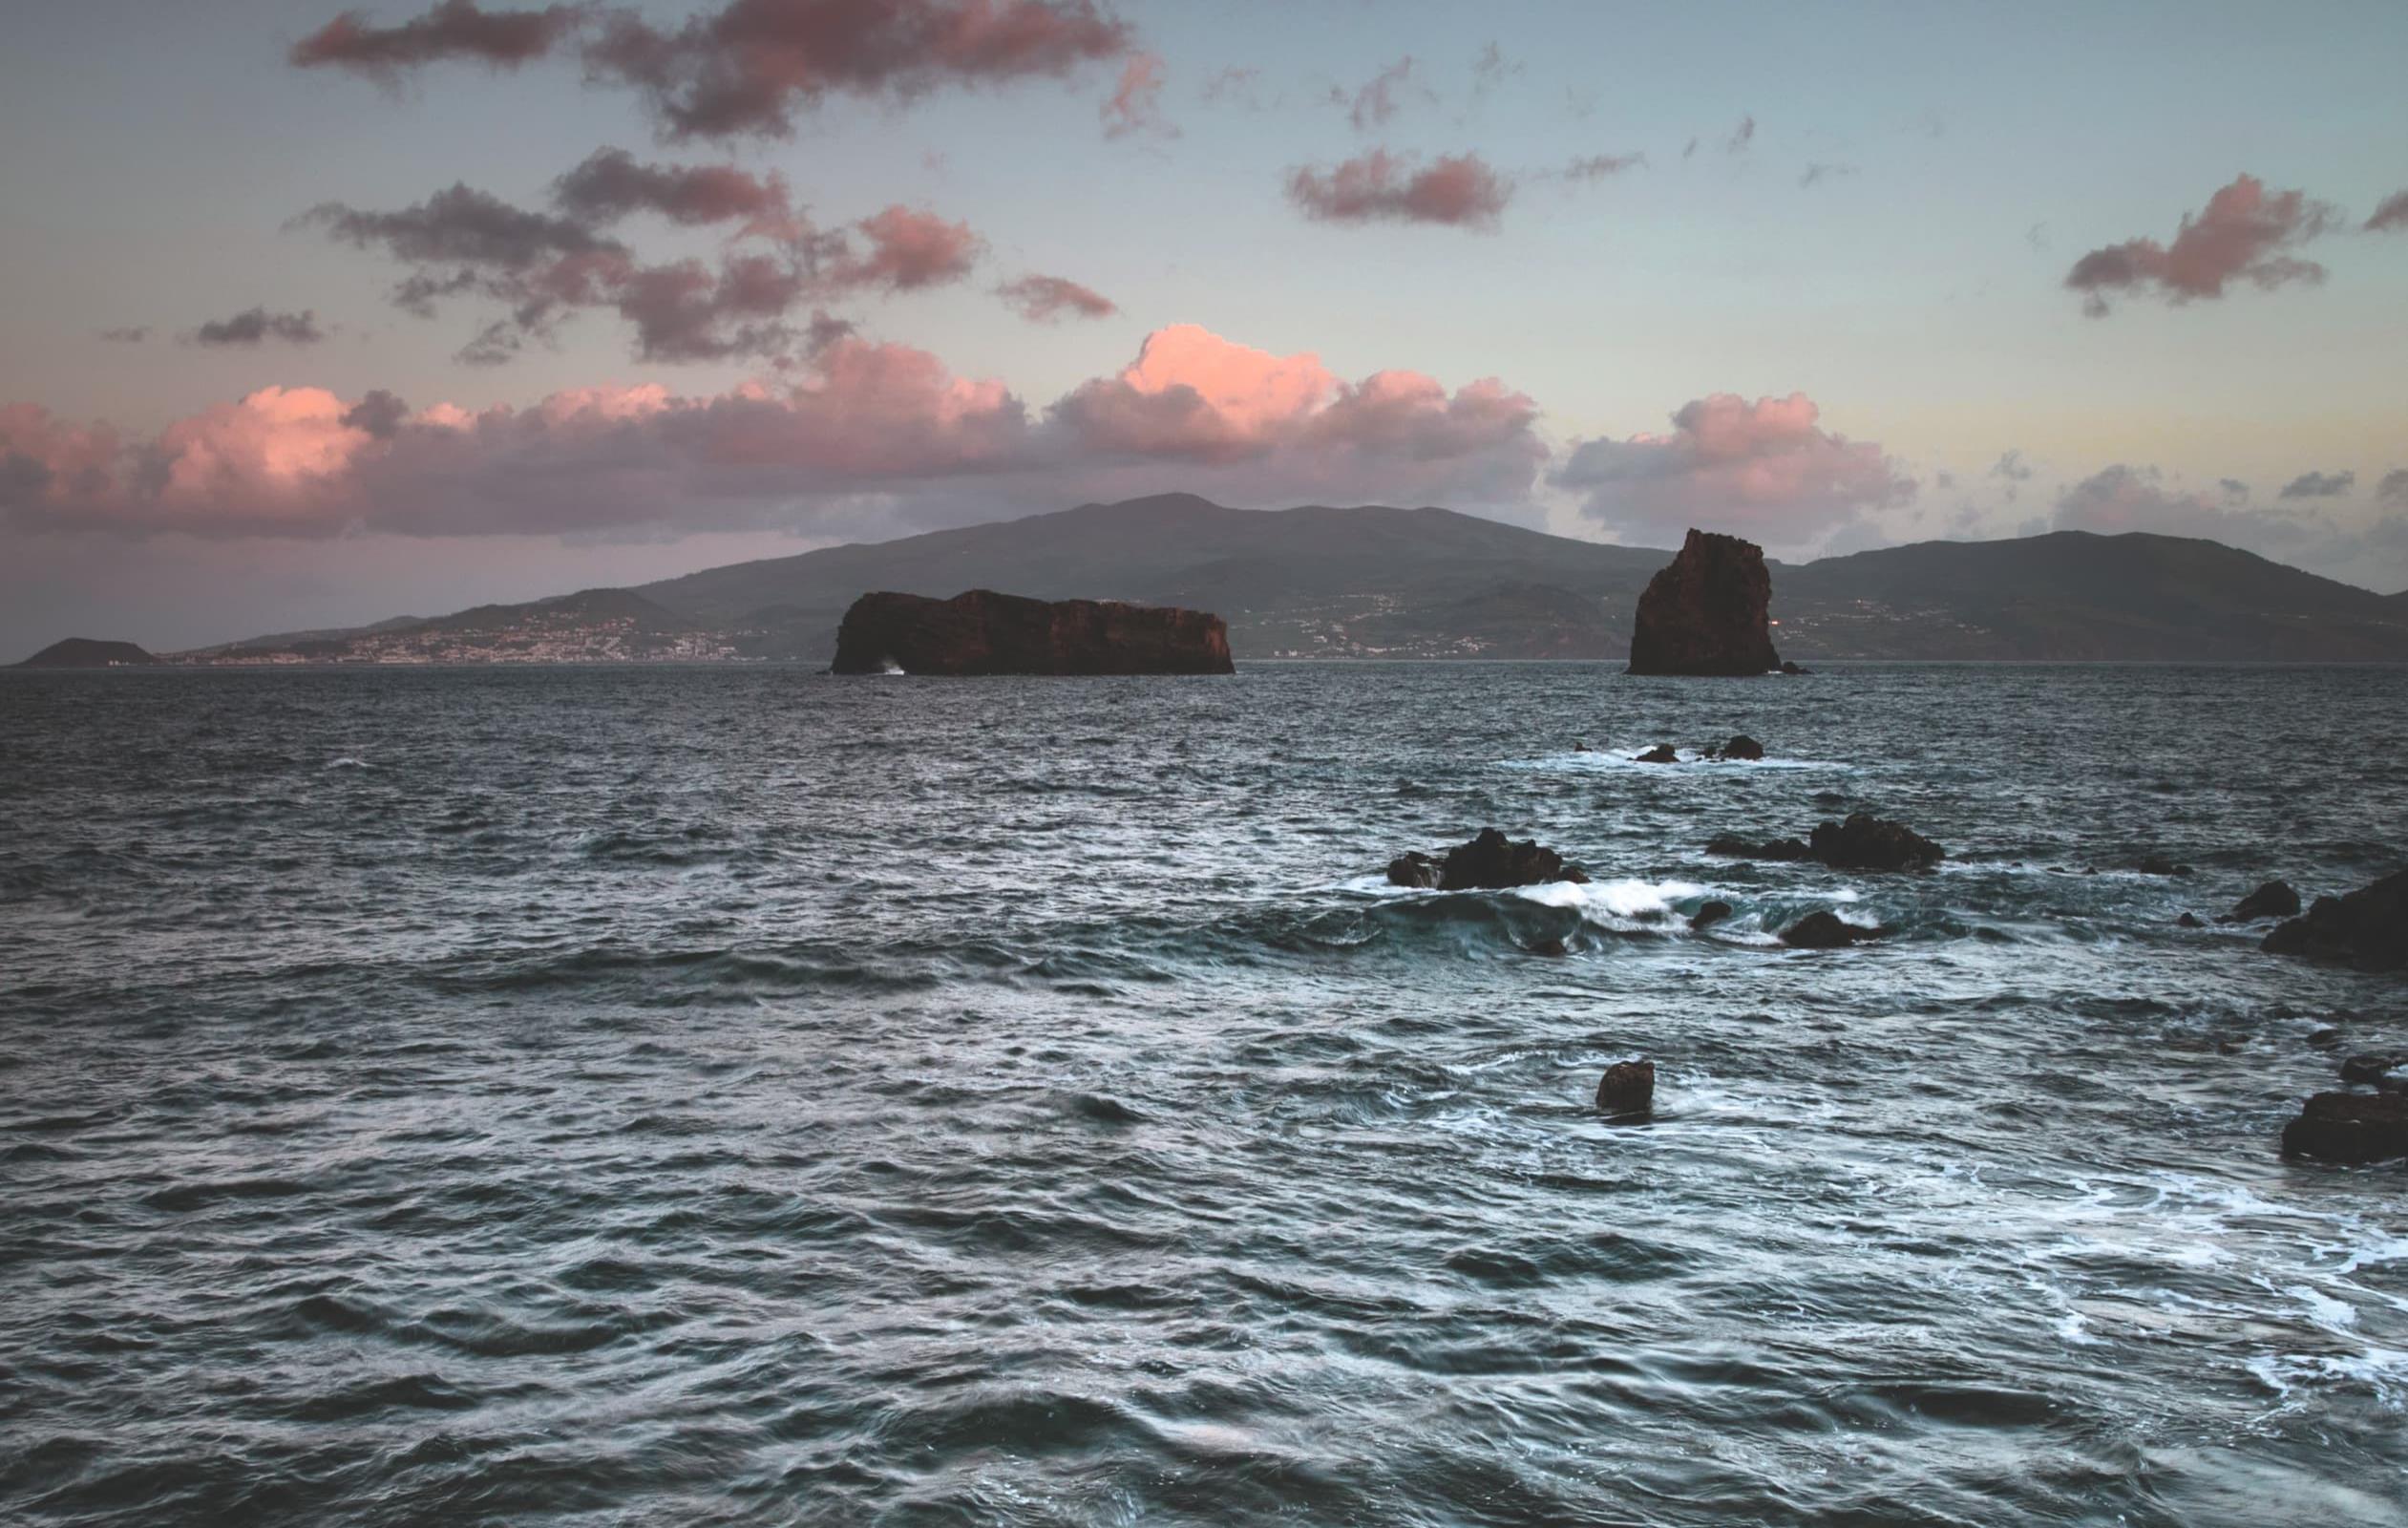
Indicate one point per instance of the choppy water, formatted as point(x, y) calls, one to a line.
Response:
point(712, 1096)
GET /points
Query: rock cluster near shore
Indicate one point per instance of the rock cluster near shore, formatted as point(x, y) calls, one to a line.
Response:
point(1862, 842)
point(2366, 929)
point(1489, 862)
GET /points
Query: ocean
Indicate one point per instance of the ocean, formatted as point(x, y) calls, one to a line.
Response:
point(735, 1095)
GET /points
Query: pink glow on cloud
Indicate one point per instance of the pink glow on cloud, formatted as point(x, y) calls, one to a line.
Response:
point(1766, 470)
point(2244, 234)
point(860, 418)
point(910, 249)
point(1459, 190)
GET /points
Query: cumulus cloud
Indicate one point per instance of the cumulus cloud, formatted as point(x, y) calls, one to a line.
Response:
point(254, 327)
point(1135, 104)
point(1047, 299)
point(2318, 485)
point(860, 418)
point(2392, 214)
point(546, 266)
point(2245, 233)
point(612, 184)
point(454, 29)
point(745, 66)
point(1765, 469)
point(1460, 190)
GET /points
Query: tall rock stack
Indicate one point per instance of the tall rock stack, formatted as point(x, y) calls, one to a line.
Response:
point(1707, 612)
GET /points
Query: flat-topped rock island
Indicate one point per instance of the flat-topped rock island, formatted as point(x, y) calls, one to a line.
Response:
point(982, 632)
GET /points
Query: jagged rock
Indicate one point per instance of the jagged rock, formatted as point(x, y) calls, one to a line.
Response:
point(2368, 1067)
point(1661, 753)
point(982, 632)
point(1708, 915)
point(1489, 862)
point(2273, 900)
point(1742, 747)
point(1707, 612)
point(2189, 920)
point(2367, 928)
point(2350, 1127)
point(1736, 847)
point(1823, 930)
point(2158, 864)
point(1788, 667)
point(1627, 1088)
point(1867, 842)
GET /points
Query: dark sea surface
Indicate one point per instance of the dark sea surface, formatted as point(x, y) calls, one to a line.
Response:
point(738, 1095)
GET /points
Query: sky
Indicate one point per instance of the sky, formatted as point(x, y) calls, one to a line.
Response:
point(314, 317)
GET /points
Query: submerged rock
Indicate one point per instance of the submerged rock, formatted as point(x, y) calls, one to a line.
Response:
point(1867, 842)
point(983, 632)
point(1706, 613)
point(2276, 899)
point(2189, 920)
point(1627, 1088)
point(1824, 930)
point(2350, 1127)
point(2367, 928)
point(1742, 747)
point(1736, 847)
point(2368, 1067)
point(2158, 864)
point(1489, 862)
point(1661, 753)
point(1709, 915)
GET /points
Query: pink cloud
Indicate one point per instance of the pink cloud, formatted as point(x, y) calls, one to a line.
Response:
point(908, 250)
point(2391, 214)
point(1135, 104)
point(1766, 470)
point(454, 29)
point(1372, 105)
point(612, 184)
point(747, 66)
point(2244, 234)
point(1460, 189)
point(859, 418)
point(1047, 299)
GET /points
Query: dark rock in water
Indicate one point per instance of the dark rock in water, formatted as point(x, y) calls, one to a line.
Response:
point(1741, 747)
point(1709, 915)
point(2350, 1127)
point(2189, 920)
point(1627, 1088)
point(2273, 900)
point(2367, 928)
point(1661, 753)
point(1826, 931)
point(1489, 863)
point(2325, 1039)
point(1867, 842)
point(2158, 864)
point(1707, 612)
point(2368, 1067)
point(982, 632)
point(1788, 667)
point(1548, 946)
point(87, 652)
point(1739, 848)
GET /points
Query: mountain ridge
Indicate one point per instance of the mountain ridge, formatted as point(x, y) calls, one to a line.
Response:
point(1369, 581)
